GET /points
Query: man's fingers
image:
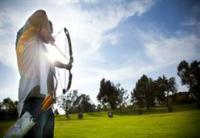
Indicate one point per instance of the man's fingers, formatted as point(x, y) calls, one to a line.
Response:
point(69, 66)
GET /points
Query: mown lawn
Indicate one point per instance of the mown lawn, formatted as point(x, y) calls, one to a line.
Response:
point(177, 124)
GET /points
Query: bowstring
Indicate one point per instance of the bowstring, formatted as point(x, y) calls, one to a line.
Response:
point(59, 78)
point(64, 55)
point(60, 51)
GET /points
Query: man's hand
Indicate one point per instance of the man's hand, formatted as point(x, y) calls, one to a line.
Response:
point(52, 40)
point(68, 66)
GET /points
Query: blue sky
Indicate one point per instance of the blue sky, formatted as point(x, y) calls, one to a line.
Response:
point(120, 39)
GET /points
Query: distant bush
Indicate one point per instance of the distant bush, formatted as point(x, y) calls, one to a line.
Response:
point(8, 109)
point(183, 98)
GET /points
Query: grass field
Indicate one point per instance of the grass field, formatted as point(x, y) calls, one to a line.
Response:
point(183, 122)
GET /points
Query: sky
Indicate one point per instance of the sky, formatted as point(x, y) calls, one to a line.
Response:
point(119, 40)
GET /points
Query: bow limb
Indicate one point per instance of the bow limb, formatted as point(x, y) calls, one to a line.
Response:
point(70, 60)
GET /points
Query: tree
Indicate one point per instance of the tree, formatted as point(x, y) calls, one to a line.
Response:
point(84, 103)
point(66, 102)
point(122, 97)
point(111, 95)
point(99, 108)
point(74, 102)
point(143, 93)
point(56, 112)
point(183, 98)
point(8, 109)
point(163, 88)
point(139, 91)
point(107, 94)
point(190, 76)
point(147, 90)
point(171, 87)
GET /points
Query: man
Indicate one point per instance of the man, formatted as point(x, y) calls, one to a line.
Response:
point(37, 72)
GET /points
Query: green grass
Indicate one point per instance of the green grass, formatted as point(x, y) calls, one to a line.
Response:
point(178, 124)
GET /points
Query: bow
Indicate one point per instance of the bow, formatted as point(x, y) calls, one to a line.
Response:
point(47, 102)
point(70, 61)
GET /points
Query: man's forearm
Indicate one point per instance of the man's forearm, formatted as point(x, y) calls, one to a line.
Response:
point(59, 64)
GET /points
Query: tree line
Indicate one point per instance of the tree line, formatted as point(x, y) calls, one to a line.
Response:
point(75, 102)
point(147, 93)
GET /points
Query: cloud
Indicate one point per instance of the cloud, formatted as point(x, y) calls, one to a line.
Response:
point(113, 38)
point(95, 26)
point(193, 21)
point(67, 2)
point(171, 50)
point(10, 21)
point(89, 28)
point(160, 52)
point(8, 56)
point(9, 25)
